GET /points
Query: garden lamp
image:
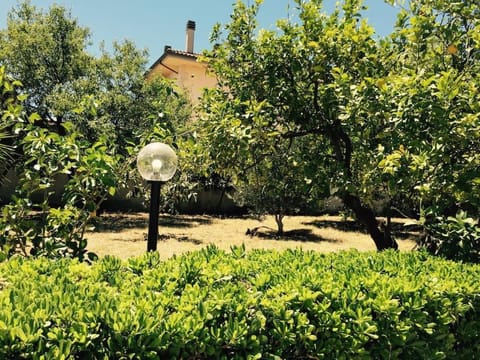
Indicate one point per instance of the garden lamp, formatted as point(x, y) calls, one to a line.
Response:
point(157, 163)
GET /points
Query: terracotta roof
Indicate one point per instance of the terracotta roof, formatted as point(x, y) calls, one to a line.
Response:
point(181, 52)
point(168, 50)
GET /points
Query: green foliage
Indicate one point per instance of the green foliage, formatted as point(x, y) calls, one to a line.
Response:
point(210, 304)
point(47, 51)
point(36, 223)
point(456, 238)
point(431, 92)
point(127, 108)
point(393, 119)
point(8, 113)
point(292, 96)
point(5, 149)
point(279, 184)
point(103, 102)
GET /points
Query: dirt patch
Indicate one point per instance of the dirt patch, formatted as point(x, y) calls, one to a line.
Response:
point(124, 235)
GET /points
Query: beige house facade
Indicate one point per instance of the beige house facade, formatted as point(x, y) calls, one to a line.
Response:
point(184, 67)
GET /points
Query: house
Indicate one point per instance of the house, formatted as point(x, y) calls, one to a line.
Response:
point(183, 67)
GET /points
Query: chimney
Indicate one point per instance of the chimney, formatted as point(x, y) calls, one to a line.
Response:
point(190, 36)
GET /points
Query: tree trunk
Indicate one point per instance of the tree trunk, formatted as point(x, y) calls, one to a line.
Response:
point(342, 147)
point(365, 215)
point(279, 221)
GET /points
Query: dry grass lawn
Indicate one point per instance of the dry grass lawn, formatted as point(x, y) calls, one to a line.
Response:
point(124, 235)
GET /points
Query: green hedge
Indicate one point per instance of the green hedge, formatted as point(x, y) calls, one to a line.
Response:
point(256, 305)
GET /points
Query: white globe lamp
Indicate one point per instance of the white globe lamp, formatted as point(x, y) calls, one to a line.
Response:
point(157, 163)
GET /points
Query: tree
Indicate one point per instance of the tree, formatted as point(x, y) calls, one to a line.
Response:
point(103, 97)
point(280, 184)
point(77, 117)
point(433, 97)
point(47, 52)
point(296, 83)
point(394, 118)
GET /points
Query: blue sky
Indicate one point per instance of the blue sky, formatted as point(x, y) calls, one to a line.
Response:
point(152, 24)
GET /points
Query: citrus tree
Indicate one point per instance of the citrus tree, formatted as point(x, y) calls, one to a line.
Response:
point(311, 82)
point(393, 119)
point(280, 184)
point(432, 93)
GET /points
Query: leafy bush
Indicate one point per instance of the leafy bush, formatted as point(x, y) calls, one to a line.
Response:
point(32, 221)
point(456, 238)
point(260, 304)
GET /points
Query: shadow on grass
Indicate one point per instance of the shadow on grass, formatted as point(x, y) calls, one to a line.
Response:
point(302, 235)
point(180, 238)
point(182, 221)
point(341, 225)
point(165, 237)
point(399, 230)
point(120, 222)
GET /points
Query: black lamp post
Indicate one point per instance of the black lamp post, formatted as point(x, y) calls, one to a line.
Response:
point(157, 163)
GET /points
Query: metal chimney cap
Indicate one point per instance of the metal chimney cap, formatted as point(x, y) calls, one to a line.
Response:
point(191, 24)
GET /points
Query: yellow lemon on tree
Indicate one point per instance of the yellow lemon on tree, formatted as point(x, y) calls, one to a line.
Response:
point(452, 49)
